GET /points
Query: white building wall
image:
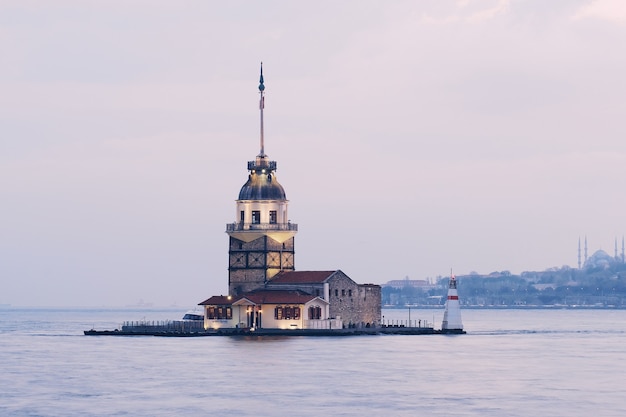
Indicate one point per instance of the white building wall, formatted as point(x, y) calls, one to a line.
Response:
point(452, 314)
point(221, 323)
point(264, 207)
point(268, 320)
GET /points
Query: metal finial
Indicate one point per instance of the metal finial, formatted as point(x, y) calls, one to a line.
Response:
point(261, 86)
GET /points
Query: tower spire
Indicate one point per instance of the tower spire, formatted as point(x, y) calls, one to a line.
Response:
point(261, 107)
point(585, 248)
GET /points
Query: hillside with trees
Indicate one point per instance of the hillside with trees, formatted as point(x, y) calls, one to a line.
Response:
point(600, 285)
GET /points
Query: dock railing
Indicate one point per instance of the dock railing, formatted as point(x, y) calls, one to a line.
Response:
point(327, 324)
point(407, 323)
point(170, 326)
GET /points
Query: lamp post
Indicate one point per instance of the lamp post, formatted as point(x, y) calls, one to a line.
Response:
point(409, 316)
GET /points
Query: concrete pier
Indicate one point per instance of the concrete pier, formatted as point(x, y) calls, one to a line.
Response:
point(144, 330)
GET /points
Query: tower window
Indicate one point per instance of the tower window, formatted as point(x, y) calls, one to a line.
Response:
point(273, 217)
point(256, 217)
point(241, 216)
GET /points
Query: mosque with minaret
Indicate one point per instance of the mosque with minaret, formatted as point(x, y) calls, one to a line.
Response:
point(264, 288)
point(600, 258)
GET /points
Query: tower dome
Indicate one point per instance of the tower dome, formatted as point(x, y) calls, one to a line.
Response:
point(262, 183)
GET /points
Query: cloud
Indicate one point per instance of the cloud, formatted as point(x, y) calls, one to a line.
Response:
point(489, 13)
point(465, 11)
point(611, 10)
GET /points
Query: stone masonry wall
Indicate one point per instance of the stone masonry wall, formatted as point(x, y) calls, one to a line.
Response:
point(356, 304)
point(255, 268)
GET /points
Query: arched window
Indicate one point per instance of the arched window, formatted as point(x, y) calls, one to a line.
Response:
point(315, 313)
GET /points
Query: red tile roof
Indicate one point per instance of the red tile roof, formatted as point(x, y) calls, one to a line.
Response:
point(263, 297)
point(278, 297)
point(219, 300)
point(301, 277)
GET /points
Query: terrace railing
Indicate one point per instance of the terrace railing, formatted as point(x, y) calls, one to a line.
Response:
point(235, 227)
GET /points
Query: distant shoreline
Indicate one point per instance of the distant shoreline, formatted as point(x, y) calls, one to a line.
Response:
point(507, 307)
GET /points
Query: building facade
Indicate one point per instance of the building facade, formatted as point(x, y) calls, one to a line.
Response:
point(354, 304)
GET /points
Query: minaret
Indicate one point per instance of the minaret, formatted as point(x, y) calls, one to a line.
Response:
point(622, 249)
point(579, 265)
point(262, 237)
point(615, 257)
point(452, 316)
point(585, 250)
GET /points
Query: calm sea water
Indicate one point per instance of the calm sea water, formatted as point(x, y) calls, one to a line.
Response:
point(511, 363)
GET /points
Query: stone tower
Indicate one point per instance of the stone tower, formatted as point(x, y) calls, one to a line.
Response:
point(261, 240)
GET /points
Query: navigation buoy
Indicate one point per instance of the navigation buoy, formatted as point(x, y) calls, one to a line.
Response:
point(452, 316)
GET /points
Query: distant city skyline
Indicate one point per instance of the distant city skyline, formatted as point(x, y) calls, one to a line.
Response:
point(410, 137)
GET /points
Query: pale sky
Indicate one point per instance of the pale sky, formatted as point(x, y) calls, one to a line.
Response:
point(411, 137)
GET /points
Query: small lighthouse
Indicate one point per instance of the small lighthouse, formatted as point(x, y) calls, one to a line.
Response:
point(452, 316)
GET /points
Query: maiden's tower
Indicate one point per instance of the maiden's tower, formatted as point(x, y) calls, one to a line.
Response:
point(262, 238)
point(264, 288)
